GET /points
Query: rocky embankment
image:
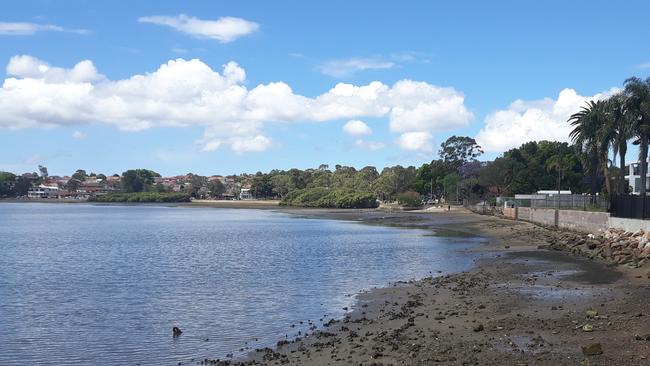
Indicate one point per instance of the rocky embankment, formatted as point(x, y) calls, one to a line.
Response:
point(613, 246)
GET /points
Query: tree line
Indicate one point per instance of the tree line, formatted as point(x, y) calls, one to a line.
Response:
point(600, 129)
point(456, 175)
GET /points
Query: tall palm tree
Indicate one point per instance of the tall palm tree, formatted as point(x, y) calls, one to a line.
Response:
point(587, 134)
point(606, 136)
point(622, 132)
point(560, 164)
point(638, 107)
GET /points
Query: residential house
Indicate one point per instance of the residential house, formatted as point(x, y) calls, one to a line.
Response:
point(43, 191)
point(245, 193)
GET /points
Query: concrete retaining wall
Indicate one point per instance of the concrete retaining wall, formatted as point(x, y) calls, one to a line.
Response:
point(543, 216)
point(583, 220)
point(631, 225)
point(569, 219)
point(525, 213)
point(575, 219)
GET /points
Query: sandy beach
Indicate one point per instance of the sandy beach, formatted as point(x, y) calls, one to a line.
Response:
point(521, 305)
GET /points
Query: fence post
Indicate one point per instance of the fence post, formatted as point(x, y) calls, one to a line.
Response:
point(643, 208)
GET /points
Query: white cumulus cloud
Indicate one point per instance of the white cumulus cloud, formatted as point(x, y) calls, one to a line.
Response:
point(224, 29)
point(356, 127)
point(29, 29)
point(416, 141)
point(183, 93)
point(421, 106)
point(536, 120)
point(29, 67)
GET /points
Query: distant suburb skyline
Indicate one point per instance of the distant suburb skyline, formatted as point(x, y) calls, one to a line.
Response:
point(232, 87)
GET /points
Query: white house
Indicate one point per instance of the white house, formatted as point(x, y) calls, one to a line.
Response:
point(245, 194)
point(43, 191)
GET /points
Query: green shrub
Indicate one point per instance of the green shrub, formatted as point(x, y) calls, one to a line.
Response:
point(329, 198)
point(409, 199)
point(144, 197)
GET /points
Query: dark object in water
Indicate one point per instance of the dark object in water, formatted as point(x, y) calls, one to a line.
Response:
point(177, 331)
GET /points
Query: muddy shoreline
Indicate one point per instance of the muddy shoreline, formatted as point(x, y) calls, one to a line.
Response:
point(520, 305)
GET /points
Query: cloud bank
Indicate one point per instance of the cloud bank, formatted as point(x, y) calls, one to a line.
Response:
point(184, 93)
point(224, 30)
point(535, 120)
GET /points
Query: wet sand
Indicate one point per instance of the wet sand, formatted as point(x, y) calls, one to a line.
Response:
point(520, 306)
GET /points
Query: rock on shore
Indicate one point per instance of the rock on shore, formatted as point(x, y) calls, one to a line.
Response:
point(614, 246)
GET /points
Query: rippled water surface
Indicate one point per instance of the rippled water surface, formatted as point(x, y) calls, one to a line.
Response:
point(104, 285)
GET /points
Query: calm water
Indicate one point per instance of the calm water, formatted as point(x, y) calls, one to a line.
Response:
point(104, 285)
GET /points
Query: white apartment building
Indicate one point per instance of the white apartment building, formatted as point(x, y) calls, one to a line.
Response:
point(43, 191)
point(633, 178)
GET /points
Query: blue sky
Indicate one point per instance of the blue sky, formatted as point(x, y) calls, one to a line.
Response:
point(504, 72)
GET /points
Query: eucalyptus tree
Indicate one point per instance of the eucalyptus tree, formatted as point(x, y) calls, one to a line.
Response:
point(637, 105)
point(587, 134)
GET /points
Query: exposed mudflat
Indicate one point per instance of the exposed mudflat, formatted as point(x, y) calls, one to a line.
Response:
point(520, 306)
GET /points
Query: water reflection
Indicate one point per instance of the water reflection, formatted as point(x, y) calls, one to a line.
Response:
point(84, 284)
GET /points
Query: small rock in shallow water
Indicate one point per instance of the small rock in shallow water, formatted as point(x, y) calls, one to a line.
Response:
point(645, 337)
point(176, 331)
point(592, 349)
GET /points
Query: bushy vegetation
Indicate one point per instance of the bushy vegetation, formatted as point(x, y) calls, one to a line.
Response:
point(409, 199)
point(12, 185)
point(138, 180)
point(145, 197)
point(329, 198)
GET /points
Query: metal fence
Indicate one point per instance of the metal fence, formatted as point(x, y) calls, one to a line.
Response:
point(564, 201)
point(630, 206)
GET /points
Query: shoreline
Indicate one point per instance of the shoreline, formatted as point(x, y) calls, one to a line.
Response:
point(518, 305)
point(521, 304)
point(252, 204)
